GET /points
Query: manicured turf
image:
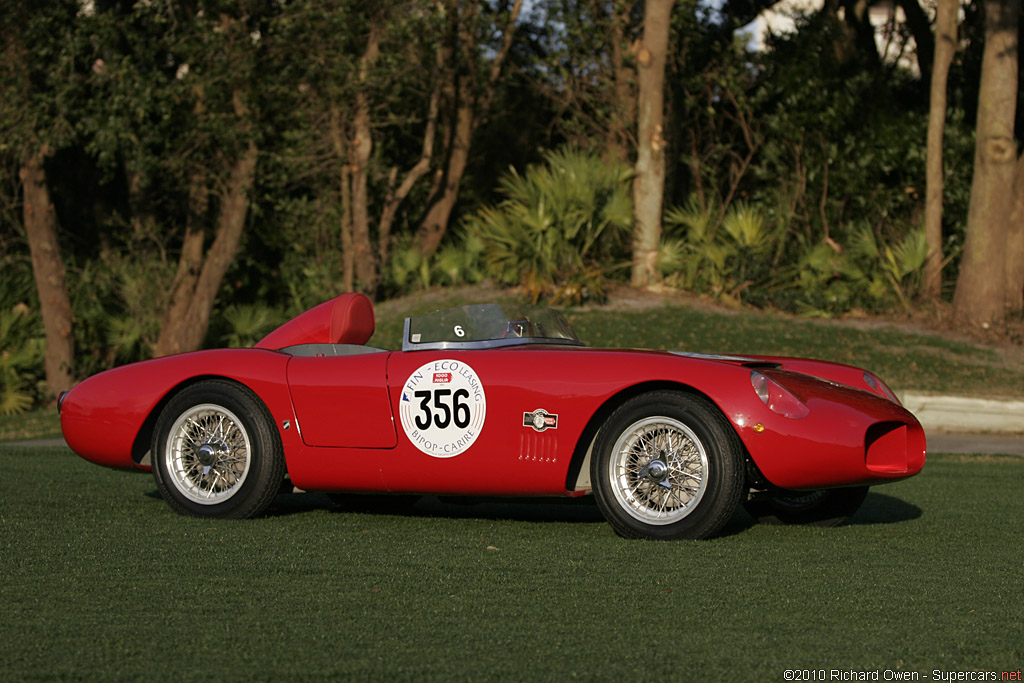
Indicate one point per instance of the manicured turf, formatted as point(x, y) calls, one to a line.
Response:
point(100, 580)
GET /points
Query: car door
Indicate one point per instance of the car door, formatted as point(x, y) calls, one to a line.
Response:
point(480, 421)
point(342, 401)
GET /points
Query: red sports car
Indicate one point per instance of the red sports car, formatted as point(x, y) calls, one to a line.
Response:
point(498, 400)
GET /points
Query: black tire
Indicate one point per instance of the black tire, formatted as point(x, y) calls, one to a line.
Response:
point(826, 507)
point(698, 484)
point(216, 452)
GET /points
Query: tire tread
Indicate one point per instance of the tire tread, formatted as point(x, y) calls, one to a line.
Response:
point(268, 464)
point(713, 512)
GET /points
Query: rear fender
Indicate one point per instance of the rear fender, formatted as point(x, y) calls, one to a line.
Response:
point(109, 418)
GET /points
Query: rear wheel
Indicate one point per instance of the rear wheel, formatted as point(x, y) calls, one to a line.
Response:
point(667, 465)
point(825, 507)
point(216, 453)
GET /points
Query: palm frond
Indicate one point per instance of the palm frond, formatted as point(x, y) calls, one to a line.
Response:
point(248, 323)
point(555, 224)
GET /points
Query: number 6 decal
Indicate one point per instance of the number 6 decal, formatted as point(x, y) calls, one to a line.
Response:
point(443, 407)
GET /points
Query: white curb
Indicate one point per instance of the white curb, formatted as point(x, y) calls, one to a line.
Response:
point(959, 414)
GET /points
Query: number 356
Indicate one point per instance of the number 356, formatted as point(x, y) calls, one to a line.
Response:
point(440, 407)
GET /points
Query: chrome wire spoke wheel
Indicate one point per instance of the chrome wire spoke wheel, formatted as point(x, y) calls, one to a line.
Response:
point(658, 470)
point(207, 454)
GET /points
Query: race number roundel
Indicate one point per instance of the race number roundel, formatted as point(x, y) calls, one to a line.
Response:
point(443, 407)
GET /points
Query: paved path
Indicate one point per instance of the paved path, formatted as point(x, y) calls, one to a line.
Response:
point(35, 443)
point(994, 444)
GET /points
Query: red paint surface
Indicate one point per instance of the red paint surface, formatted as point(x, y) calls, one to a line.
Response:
point(351, 439)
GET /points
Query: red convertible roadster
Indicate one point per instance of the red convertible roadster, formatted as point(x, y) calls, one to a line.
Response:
point(498, 400)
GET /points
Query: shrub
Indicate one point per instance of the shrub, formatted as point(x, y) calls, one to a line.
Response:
point(21, 358)
point(561, 228)
point(723, 255)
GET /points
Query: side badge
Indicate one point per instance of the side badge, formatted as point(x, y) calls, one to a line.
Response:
point(540, 420)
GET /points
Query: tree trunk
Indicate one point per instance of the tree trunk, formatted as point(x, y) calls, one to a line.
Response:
point(360, 150)
point(435, 223)
point(860, 34)
point(395, 197)
point(48, 270)
point(624, 103)
point(198, 280)
point(649, 182)
point(945, 35)
point(336, 131)
point(348, 252)
point(470, 109)
point(175, 318)
point(1015, 247)
point(981, 289)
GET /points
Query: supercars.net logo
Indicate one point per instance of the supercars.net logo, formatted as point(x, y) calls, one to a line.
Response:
point(898, 675)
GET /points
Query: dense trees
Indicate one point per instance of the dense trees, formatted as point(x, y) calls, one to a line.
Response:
point(34, 126)
point(991, 281)
point(181, 172)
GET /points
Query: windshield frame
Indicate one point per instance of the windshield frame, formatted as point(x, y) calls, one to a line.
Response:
point(409, 345)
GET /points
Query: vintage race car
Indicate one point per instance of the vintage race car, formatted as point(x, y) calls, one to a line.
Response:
point(498, 400)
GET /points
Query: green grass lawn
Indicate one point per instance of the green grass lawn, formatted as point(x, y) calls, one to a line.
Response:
point(43, 423)
point(100, 580)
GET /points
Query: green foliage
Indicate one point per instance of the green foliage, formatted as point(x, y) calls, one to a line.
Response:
point(40, 76)
point(248, 323)
point(842, 141)
point(21, 337)
point(456, 263)
point(118, 300)
point(410, 269)
point(742, 257)
point(314, 282)
point(869, 274)
point(722, 255)
point(21, 356)
point(560, 228)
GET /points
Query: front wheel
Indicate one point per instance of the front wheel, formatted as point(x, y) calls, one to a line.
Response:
point(216, 453)
point(667, 465)
point(825, 507)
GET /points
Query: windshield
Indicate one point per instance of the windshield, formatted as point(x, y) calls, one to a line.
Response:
point(485, 326)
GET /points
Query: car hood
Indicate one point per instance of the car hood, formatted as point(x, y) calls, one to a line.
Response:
point(826, 371)
point(748, 361)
